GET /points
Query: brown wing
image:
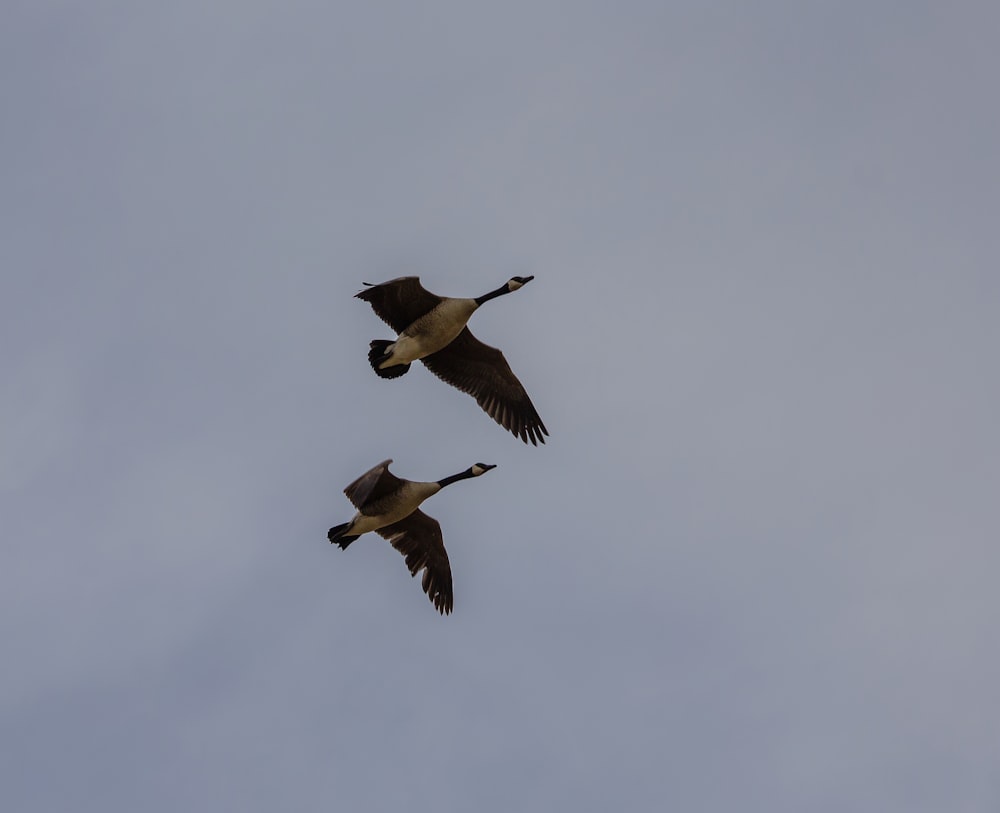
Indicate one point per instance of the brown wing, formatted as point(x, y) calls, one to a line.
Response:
point(373, 484)
point(399, 302)
point(483, 372)
point(418, 538)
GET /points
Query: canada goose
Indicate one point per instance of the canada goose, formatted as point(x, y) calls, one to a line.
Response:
point(433, 329)
point(389, 506)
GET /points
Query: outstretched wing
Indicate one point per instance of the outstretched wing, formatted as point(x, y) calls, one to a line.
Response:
point(399, 302)
point(373, 484)
point(483, 372)
point(418, 538)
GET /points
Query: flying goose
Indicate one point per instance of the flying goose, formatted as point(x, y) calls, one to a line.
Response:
point(433, 329)
point(389, 506)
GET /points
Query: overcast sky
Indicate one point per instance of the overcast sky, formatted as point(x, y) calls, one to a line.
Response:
point(755, 566)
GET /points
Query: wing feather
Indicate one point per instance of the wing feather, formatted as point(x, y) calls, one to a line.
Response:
point(483, 372)
point(399, 302)
point(373, 484)
point(418, 537)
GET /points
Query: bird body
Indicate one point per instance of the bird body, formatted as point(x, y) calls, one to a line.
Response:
point(390, 506)
point(431, 332)
point(434, 329)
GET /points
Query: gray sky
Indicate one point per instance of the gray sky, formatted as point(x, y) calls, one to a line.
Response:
point(754, 567)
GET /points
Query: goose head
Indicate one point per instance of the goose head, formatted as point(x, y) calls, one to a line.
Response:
point(517, 282)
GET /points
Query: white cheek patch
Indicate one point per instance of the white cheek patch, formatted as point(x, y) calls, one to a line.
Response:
point(513, 285)
point(477, 469)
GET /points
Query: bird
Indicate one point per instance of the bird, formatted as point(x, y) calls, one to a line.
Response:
point(434, 330)
point(389, 505)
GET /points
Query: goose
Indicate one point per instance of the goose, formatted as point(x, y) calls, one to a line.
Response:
point(389, 505)
point(433, 329)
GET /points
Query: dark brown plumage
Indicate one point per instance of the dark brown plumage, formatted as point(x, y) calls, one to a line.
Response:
point(483, 372)
point(419, 539)
point(399, 302)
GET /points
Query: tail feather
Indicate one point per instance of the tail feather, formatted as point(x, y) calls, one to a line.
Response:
point(337, 535)
point(378, 354)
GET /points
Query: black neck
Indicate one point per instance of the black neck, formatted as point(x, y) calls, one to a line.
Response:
point(503, 289)
point(462, 475)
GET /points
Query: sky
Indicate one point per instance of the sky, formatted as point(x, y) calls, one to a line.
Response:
point(752, 569)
